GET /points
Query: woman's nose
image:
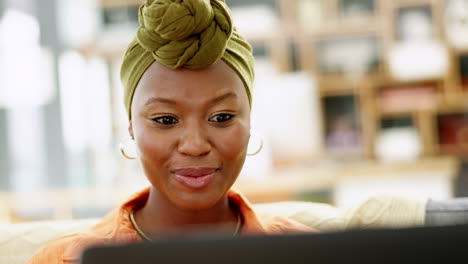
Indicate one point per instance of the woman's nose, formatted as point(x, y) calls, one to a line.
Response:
point(194, 141)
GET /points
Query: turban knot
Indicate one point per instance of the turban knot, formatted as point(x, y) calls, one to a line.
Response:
point(191, 33)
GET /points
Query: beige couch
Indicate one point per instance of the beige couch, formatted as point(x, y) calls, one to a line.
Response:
point(19, 241)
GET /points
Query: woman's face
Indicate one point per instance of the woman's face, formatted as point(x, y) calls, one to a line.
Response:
point(191, 129)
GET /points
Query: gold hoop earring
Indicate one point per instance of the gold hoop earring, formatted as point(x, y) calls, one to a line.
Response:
point(258, 150)
point(124, 154)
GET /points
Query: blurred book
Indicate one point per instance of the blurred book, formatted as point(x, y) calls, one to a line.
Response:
point(456, 26)
point(403, 99)
point(453, 133)
point(357, 54)
point(463, 60)
point(342, 125)
point(415, 23)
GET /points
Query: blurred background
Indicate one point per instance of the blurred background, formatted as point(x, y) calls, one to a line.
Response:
point(352, 98)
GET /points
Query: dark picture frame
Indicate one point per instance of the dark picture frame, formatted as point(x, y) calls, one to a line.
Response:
point(342, 126)
point(357, 8)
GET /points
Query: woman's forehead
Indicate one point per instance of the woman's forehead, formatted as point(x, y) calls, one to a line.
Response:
point(216, 79)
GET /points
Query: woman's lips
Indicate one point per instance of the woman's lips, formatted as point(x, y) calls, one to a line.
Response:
point(195, 178)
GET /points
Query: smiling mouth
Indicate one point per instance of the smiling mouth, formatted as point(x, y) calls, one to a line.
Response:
point(194, 178)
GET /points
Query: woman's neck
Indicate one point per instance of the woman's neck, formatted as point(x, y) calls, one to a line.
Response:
point(160, 217)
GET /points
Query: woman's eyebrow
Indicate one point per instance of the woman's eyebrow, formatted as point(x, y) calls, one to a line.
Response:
point(161, 100)
point(172, 102)
point(223, 97)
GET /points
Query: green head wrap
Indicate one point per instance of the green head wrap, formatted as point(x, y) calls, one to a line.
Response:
point(185, 33)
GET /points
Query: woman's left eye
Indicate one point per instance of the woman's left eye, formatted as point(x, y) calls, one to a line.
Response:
point(220, 118)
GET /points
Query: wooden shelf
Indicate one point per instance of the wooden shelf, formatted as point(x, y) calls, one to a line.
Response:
point(119, 3)
point(411, 3)
point(286, 184)
point(341, 29)
point(453, 109)
point(108, 46)
point(454, 150)
point(395, 114)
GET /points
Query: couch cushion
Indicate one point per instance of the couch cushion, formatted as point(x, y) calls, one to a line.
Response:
point(323, 217)
point(18, 242)
point(379, 211)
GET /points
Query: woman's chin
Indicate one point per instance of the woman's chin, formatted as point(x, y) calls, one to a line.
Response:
point(197, 201)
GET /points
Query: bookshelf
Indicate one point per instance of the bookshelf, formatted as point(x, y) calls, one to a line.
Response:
point(381, 96)
point(349, 47)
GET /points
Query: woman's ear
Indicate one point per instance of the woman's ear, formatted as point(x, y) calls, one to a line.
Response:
point(130, 130)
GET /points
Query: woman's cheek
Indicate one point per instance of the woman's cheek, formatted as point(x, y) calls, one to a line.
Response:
point(153, 147)
point(233, 142)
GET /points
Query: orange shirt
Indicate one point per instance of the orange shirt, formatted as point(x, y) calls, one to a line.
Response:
point(116, 227)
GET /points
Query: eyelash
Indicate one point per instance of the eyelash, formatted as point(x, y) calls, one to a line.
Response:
point(173, 121)
point(230, 117)
point(160, 119)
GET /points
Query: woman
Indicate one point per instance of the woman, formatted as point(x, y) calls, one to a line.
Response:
point(188, 80)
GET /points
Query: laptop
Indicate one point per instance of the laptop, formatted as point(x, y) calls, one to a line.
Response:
point(447, 244)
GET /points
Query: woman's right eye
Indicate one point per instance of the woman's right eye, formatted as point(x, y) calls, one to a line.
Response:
point(166, 120)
